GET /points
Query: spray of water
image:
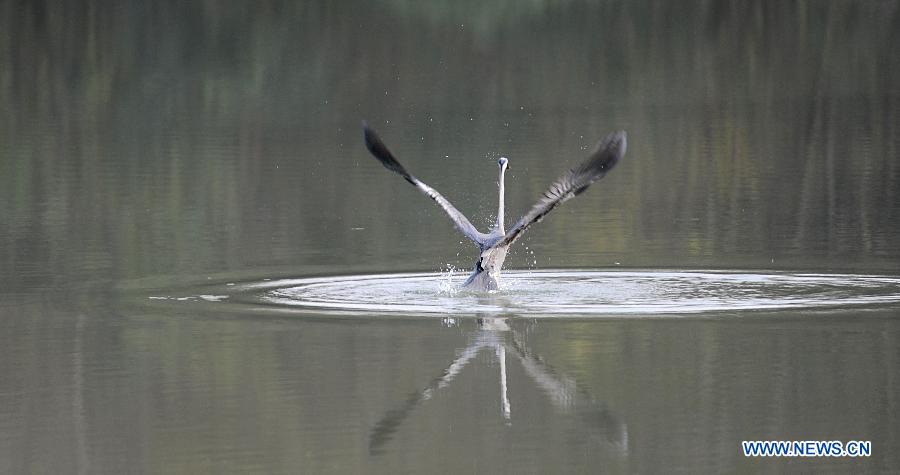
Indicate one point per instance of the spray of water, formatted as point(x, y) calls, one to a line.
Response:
point(445, 283)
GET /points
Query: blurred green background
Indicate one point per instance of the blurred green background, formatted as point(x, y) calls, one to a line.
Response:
point(165, 137)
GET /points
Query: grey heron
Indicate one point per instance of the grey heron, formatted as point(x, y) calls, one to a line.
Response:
point(494, 245)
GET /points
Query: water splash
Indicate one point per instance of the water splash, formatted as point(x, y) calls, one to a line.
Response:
point(446, 283)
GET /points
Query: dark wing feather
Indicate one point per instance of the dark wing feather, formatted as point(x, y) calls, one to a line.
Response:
point(381, 152)
point(608, 152)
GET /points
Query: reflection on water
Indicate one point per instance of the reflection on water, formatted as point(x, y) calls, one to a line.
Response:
point(495, 336)
point(199, 388)
point(144, 144)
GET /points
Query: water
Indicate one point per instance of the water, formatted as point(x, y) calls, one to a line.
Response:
point(549, 294)
point(201, 269)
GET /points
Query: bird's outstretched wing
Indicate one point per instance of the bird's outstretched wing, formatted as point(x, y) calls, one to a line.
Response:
point(381, 152)
point(608, 152)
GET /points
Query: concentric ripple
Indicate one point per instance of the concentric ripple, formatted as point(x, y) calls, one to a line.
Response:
point(564, 293)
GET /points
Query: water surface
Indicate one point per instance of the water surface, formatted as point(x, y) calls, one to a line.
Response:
point(561, 293)
point(733, 278)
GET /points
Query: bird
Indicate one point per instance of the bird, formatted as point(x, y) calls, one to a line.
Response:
point(494, 245)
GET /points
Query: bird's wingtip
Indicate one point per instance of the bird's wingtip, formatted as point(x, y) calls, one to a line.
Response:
point(369, 135)
point(617, 139)
point(623, 137)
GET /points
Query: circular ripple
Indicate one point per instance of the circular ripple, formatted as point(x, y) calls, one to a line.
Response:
point(574, 293)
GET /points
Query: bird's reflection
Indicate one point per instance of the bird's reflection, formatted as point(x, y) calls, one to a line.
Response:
point(495, 334)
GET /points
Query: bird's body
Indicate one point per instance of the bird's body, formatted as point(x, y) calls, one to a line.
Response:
point(486, 274)
point(494, 245)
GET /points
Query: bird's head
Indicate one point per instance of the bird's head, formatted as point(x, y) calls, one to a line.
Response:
point(503, 163)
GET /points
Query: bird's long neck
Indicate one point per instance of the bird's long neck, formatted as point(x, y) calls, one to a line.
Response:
point(500, 206)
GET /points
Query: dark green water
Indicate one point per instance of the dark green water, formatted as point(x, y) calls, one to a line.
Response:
point(147, 148)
